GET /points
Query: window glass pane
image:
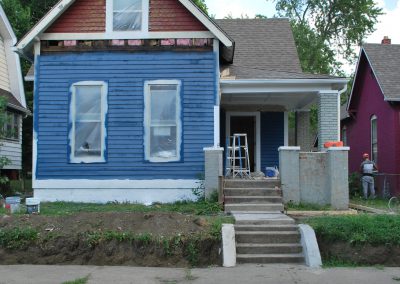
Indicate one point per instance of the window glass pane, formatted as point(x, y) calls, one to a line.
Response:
point(16, 126)
point(163, 142)
point(88, 103)
point(163, 107)
point(87, 139)
point(127, 15)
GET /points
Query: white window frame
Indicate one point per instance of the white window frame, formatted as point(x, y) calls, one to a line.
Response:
point(147, 120)
point(374, 118)
point(104, 110)
point(110, 21)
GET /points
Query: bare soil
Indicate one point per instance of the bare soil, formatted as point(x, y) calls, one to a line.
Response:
point(62, 240)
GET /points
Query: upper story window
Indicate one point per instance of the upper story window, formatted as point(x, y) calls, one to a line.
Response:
point(88, 114)
point(162, 121)
point(374, 138)
point(127, 15)
point(11, 126)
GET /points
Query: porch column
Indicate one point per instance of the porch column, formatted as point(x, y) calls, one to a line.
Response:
point(303, 138)
point(213, 169)
point(328, 117)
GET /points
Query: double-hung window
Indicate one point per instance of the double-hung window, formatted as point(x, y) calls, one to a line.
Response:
point(88, 114)
point(11, 126)
point(162, 121)
point(374, 138)
point(127, 15)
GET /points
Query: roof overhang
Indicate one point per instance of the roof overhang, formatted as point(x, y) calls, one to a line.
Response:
point(283, 94)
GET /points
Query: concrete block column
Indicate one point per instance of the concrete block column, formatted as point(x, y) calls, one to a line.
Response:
point(213, 169)
point(303, 130)
point(289, 167)
point(328, 117)
point(338, 181)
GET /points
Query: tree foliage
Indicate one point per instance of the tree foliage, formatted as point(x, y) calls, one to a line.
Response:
point(19, 16)
point(326, 30)
point(202, 5)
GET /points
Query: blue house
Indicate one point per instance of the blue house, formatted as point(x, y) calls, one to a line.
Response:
point(130, 95)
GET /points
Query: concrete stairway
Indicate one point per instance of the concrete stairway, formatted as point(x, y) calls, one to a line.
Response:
point(263, 233)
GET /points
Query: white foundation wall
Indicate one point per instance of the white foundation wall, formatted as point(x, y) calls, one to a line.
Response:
point(104, 191)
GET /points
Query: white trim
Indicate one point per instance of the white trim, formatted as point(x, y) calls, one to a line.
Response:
point(217, 70)
point(141, 191)
point(7, 25)
point(104, 109)
point(115, 35)
point(286, 81)
point(137, 34)
point(257, 115)
point(147, 120)
point(206, 21)
point(338, 149)
point(34, 149)
point(287, 148)
point(44, 23)
point(286, 126)
point(216, 126)
point(29, 78)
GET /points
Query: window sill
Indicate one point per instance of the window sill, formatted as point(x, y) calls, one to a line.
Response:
point(87, 161)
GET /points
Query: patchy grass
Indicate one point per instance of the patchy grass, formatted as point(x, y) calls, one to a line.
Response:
point(17, 238)
point(83, 280)
point(358, 229)
point(306, 207)
point(66, 208)
point(378, 203)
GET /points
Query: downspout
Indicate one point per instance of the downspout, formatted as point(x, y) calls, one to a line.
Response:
point(339, 108)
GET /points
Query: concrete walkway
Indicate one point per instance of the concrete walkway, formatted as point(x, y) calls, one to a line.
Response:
point(276, 274)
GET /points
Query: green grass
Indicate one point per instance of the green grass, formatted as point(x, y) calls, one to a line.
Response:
point(358, 229)
point(378, 203)
point(66, 208)
point(17, 238)
point(306, 207)
point(83, 280)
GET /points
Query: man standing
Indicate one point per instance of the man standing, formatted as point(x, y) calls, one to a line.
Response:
point(367, 169)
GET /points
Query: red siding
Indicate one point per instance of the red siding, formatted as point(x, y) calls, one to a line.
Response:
point(84, 16)
point(367, 101)
point(172, 16)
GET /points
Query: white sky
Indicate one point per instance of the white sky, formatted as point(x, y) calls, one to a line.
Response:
point(389, 23)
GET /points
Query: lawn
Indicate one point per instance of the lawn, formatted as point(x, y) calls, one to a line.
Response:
point(378, 203)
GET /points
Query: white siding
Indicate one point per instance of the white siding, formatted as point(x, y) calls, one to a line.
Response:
point(13, 150)
point(4, 77)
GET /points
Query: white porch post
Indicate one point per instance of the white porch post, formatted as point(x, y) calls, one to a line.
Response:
point(328, 117)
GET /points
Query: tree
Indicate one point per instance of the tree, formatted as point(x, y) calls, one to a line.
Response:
point(18, 15)
point(202, 5)
point(326, 30)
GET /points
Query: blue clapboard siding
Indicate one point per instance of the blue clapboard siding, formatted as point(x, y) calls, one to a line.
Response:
point(272, 137)
point(125, 74)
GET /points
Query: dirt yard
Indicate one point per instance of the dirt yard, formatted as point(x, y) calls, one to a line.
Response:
point(110, 238)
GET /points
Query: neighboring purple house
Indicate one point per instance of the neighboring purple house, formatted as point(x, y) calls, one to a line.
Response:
point(373, 122)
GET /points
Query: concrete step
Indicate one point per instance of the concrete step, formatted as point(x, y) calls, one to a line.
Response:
point(266, 228)
point(270, 258)
point(252, 199)
point(239, 183)
point(269, 248)
point(246, 218)
point(270, 207)
point(229, 191)
point(267, 237)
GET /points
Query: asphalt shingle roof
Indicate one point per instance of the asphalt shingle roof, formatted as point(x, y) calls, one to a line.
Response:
point(385, 61)
point(264, 49)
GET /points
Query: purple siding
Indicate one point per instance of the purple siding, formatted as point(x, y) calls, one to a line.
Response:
point(367, 101)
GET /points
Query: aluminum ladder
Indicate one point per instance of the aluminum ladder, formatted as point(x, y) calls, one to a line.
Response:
point(237, 159)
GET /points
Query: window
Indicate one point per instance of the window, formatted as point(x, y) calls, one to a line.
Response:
point(162, 121)
point(10, 128)
point(88, 112)
point(374, 138)
point(127, 15)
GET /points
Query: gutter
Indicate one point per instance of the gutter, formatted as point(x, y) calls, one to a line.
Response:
point(285, 81)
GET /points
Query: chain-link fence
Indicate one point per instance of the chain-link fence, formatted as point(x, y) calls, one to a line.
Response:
point(387, 185)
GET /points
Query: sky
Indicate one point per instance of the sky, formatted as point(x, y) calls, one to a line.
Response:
point(388, 24)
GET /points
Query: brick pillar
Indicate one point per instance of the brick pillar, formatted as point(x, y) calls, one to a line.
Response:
point(213, 169)
point(328, 117)
point(303, 130)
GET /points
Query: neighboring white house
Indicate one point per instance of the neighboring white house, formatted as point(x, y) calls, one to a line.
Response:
point(12, 89)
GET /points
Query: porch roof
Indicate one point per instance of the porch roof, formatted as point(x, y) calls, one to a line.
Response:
point(277, 94)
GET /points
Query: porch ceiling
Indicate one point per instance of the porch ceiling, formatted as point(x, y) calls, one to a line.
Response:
point(278, 95)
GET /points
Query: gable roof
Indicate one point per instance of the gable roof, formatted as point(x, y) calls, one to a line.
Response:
point(385, 63)
point(63, 5)
point(264, 49)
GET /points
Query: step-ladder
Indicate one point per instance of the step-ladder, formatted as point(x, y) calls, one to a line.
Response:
point(237, 158)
